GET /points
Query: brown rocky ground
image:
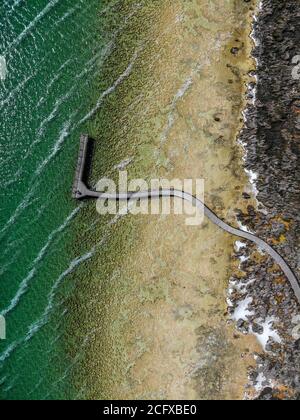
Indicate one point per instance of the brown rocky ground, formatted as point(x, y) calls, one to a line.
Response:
point(271, 140)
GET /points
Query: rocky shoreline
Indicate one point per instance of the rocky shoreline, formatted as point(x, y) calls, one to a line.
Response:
point(261, 299)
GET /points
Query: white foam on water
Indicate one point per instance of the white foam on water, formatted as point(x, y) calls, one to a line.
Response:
point(32, 24)
point(16, 3)
point(110, 90)
point(15, 91)
point(69, 13)
point(182, 91)
point(6, 266)
point(18, 242)
point(63, 99)
point(3, 68)
point(13, 179)
point(39, 383)
point(2, 380)
point(35, 327)
point(102, 54)
point(55, 78)
point(52, 115)
point(11, 384)
point(26, 281)
point(65, 132)
point(60, 101)
point(20, 292)
point(21, 207)
point(12, 7)
point(6, 354)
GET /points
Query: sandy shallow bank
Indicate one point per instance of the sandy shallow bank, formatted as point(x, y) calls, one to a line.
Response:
point(155, 301)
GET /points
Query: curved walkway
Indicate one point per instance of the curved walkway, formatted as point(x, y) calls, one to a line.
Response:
point(211, 216)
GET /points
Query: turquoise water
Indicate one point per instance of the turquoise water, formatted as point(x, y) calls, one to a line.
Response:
point(54, 50)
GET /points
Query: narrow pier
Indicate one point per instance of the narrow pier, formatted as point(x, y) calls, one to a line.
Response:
point(80, 191)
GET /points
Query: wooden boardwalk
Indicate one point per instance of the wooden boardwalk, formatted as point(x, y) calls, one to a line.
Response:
point(79, 187)
point(81, 191)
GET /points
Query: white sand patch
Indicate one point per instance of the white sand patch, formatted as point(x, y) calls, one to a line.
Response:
point(242, 258)
point(261, 382)
point(242, 311)
point(240, 245)
point(239, 286)
point(269, 333)
point(235, 286)
point(253, 177)
point(244, 228)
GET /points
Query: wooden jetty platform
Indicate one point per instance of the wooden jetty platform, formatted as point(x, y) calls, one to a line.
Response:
point(80, 191)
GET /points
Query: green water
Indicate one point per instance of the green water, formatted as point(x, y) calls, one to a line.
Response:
point(54, 51)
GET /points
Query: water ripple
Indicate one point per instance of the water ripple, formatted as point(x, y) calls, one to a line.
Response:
point(25, 282)
point(32, 24)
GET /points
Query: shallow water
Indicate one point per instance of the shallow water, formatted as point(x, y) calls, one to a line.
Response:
point(53, 52)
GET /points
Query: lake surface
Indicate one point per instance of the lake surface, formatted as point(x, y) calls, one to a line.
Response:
point(53, 51)
point(130, 307)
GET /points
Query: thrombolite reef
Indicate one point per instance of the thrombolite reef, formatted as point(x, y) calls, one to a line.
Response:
point(271, 138)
